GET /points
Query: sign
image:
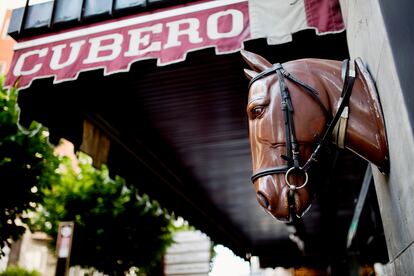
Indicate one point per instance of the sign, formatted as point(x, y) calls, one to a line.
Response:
point(167, 35)
point(64, 239)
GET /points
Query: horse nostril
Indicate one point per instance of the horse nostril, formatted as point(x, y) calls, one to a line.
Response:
point(262, 200)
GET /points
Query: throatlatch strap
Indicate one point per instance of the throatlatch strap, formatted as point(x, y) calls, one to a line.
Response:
point(348, 75)
point(343, 102)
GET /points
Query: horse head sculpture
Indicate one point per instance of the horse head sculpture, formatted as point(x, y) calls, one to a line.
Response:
point(295, 109)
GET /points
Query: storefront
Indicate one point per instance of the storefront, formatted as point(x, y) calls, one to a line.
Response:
point(157, 92)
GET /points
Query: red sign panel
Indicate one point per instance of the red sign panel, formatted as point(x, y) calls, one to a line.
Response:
point(165, 35)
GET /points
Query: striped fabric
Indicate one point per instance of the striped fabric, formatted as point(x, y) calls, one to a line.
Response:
point(277, 20)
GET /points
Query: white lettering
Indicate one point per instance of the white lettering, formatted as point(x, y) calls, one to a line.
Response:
point(18, 68)
point(57, 54)
point(138, 39)
point(97, 47)
point(175, 32)
point(237, 24)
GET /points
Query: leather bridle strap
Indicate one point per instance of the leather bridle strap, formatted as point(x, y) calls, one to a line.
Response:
point(310, 91)
point(292, 153)
point(275, 170)
point(339, 131)
point(307, 88)
point(343, 102)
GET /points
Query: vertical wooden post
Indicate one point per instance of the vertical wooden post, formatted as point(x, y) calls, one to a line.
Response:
point(95, 143)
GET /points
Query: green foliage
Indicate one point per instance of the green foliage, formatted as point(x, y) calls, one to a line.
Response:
point(17, 271)
point(27, 165)
point(115, 228)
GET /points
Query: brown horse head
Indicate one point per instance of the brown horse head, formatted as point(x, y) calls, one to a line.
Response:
point(268, 138)
point(310, 117)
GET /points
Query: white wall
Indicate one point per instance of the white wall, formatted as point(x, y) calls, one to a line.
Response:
point(367, 38)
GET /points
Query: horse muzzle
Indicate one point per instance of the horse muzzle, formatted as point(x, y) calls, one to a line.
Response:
point(278, 198)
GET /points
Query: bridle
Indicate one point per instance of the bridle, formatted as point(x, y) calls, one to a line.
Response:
point(292, 151)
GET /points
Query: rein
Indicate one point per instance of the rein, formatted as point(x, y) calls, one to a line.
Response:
point(292, 150)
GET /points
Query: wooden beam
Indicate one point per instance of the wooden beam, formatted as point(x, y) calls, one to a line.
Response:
point(95, 143)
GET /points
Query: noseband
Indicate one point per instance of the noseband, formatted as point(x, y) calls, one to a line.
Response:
point(292, 151)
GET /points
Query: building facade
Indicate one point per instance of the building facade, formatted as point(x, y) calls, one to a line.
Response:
point(373, 32)
point(157, 53)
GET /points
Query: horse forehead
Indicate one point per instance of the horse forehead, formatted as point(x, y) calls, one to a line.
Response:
point(262, 87)
point(256, 94)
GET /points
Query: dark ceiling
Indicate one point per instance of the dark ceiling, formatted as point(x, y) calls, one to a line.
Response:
point(179, 133)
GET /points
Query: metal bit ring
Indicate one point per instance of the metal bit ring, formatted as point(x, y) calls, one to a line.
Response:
point(294, 187)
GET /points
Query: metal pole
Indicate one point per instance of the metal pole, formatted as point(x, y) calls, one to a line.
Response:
point(25, 11)
point(52, 16)
point(359, 206)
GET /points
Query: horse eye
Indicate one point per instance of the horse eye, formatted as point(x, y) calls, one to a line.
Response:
point(257, 111)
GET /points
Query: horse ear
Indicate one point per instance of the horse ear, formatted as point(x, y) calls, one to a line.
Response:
point(255, 61)
point(250, 73)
